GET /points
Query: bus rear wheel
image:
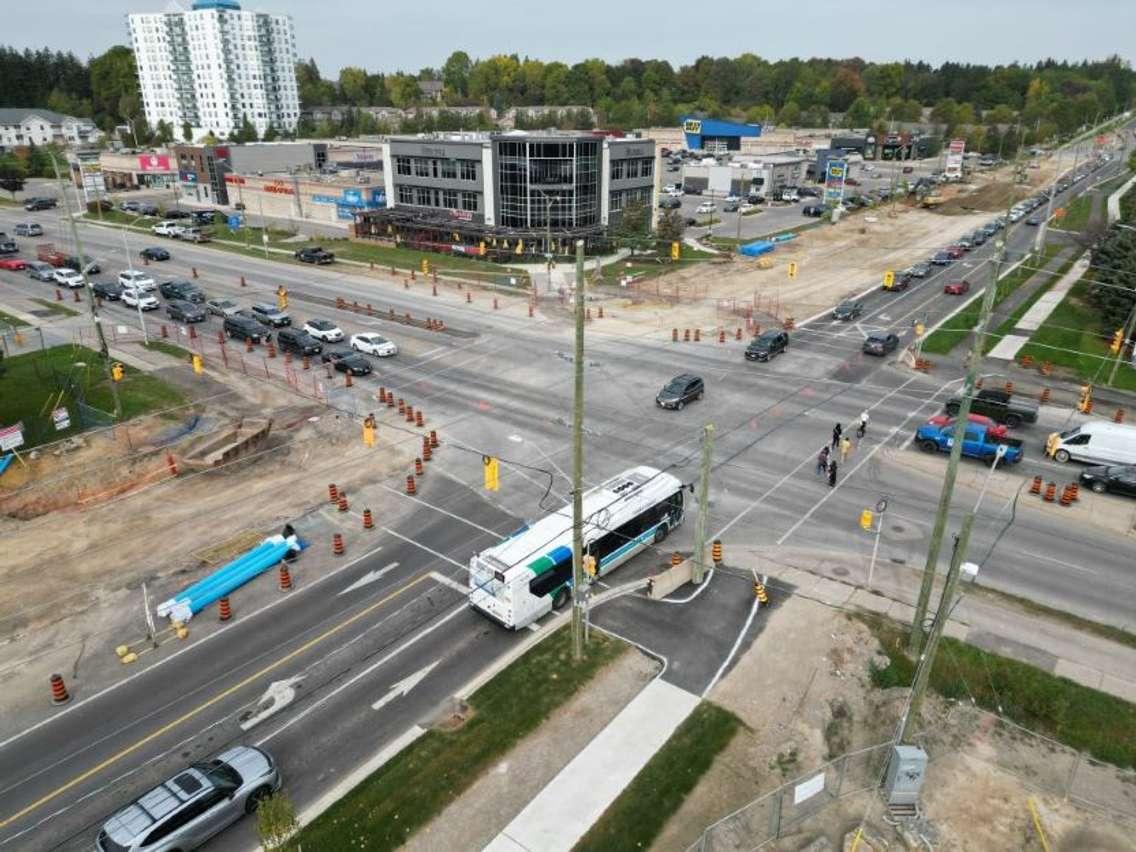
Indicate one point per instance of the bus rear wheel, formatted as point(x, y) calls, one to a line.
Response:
point(560, 599)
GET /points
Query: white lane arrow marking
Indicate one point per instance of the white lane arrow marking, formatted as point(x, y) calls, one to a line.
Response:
point(404, 686)
point(885, 317)
point(278, 696)
point(369, 577)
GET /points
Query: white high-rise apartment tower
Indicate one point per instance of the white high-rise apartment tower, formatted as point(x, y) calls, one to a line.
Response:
point(213, 65)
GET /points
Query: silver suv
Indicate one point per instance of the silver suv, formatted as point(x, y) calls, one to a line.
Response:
point(194, 805)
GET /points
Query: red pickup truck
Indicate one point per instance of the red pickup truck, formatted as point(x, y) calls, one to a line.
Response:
point(993, 429)
point(46, 252)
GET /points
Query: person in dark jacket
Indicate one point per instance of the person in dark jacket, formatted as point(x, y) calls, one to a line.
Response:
point(822, 460)
point(837, 431)
point(832, 473)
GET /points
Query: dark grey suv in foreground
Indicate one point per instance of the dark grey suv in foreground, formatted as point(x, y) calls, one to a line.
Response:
point(194, 805)
point(679, 391)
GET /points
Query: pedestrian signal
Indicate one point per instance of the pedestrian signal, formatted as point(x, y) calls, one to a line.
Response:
point(492, 473)
point(589, 562)
point(281, 297)
point(866, 520)
point(676, 250)
point(117, 371)
point(792, 269)
point(889, 278)
point(1117, 341)
point(920, 329)
point(198, 365)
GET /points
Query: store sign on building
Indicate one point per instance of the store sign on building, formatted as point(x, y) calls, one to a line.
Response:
point(187, 177)
point(279, 188)
point(154, 163)
point(692, 125)
point(430, 151)
point(231, 178)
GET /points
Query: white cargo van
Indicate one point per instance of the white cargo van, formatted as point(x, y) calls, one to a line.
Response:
point(1097, 441)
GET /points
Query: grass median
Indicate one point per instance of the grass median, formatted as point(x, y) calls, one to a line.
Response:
point(418, 783)
point(1011, 322)
point(636, 817)
point(37, 382)
point(1078, 212)
point(955, 330)
point(1085, 719)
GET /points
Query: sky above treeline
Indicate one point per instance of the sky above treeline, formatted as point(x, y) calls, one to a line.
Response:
point(385, 37)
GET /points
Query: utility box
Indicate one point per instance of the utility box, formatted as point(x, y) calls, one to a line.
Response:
point(906, 770)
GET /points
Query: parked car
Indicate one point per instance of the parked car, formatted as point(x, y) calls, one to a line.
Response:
point(137, 298)
point(768, 344)
point(270, 315)
point(194, 235)
point(128, 207)
point(29, 229)
point(68, 277)
point(222, 307)
point(181, 289)
point(195, 805)
point(957, 288)
point(324, 330)
point(299, 341)
point(145, 208)
point(183, 311)
point(1114, 478)
point(706, 207)
point(109, 290)
point(137, 279)
point(167, 229)
point(240, 326)
point(154, 253)
point(13, 264)
point(373, 344)
point(679, 391)
point(731, 206)
point(8, 247)
point(346, 361)
point(1000, 406)
point(1035, 221)
point(177, 214)
point(315, 254)
point(813, 210)
point(849, 310)
point(808, 192)
point(880, 344)
point(39, 270)
point(670, 203)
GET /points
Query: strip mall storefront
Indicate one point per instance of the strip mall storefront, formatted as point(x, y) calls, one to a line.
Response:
point(134, 171)
point(290, 197)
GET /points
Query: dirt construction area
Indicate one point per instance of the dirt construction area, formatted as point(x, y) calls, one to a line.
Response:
point(804, 692)
point(87, 521)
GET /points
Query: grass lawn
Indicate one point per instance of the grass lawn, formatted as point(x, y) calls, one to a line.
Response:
point(57, 308)
point(957, 328)
point(168, 348)
point(1069, 338)
point(11, 321)
point(419, 782)
point(31, 388)
point(1082, 718)
point(1011, 321)
point(1078, 212)
point(636, 817)
point(650, 266)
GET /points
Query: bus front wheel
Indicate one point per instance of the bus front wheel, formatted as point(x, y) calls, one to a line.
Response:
point(560, 599)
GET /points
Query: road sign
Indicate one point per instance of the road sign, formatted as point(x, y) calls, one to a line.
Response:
point(234, 222)
point(11, 437)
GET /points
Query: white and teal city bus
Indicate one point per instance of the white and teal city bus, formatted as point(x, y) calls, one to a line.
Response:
point(528, 574)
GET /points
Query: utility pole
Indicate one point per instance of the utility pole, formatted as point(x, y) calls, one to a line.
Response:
point(1123, 341)
point(974, 358)
point(1039, 238)
point(104, 350)
point(578, 468)
point(927, 661)
point(703, 504)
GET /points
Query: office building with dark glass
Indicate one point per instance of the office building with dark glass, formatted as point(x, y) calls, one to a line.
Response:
point(509, 194)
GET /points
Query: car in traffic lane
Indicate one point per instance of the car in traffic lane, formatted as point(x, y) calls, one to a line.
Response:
point(29, 229)
point(347, 361)
point(109, 290)
point(141, 299)
point(69, 277)
point(185, 311)
point(240, 326)
point(222, 307)
point(136, 279)
point(768, 344)
point(13, 264)
point(957, 288)
point(270, 315)
point(848, 310)
point(373, 344)
point(880, 343)
point(324, 330)
point(679, 391)
point(154, 253)
point(1112, 478)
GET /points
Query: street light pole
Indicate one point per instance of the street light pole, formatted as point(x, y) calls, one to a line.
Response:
point(578, 467)
point(697, 569)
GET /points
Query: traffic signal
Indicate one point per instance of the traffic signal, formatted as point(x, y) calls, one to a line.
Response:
point(492, 473)
point(866, 520)
point(920, 329)
point(676, 250)
point(1117, 341)
point(589, 564)
point(117, 371)
point(792, 269)
point(281, 297)
point(889, 278)
point(198, 365)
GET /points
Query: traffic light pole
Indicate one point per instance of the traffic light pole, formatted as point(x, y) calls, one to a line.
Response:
point(1120, 352)
point(698, 569)
point(104, 350)
point(578, 468)
point(974, 359)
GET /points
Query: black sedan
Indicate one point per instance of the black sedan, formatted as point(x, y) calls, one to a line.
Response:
point(183, 311)
point(154, 253)
point(314, 254)
point(1117, 478)
point(846, 311)
point(347, 361)
point(109, 290)
point(880, 344)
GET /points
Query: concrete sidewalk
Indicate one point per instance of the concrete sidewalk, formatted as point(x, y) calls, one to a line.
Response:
point(568, 806)
point(1009, 346)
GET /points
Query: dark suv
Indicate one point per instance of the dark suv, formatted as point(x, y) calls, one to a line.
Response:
point(770, 343)
point(679, 391)
point(271, 315)
point(181, 290)
point(184, 311)
point(245, 328)
point(39, 204)
point(298, 341)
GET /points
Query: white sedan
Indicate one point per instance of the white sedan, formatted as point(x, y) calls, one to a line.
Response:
point(68, 278)
point(707, 207)
point(132, 278)
point(168, 229)
point(324, 330)
point(373, 344)
point(136, 298)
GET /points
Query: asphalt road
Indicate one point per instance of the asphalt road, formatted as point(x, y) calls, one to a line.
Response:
point(503, 385)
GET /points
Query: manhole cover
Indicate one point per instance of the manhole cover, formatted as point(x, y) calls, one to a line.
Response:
point(897, 527)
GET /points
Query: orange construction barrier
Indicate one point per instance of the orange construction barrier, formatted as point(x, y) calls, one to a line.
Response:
point(401, 405)
point(411, 488)
point(716, 551)
point(224, 611)
point(337, 548)
point(434, 439)
point(1074, 491)
point(333, 493)
point(601, 316)
point(1066, 496)
point(343, 501)
point(368, 520)
point(721, 336)
point(59, 693)
point(419, 420)
point(1035, 486)
point(697, 335)
point(1050, 492)
point(1118, 417)
point(1044, 397)
point(676, 558)
point(409, 413)
point(418, 468)
point(285, 578)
